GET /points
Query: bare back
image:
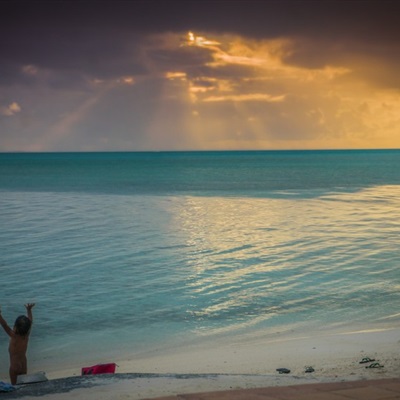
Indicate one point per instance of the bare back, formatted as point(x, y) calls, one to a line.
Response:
point(17, 349)
point(19, 338)
point(18, 345)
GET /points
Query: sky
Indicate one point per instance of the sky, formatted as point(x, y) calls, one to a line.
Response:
point(199, 75)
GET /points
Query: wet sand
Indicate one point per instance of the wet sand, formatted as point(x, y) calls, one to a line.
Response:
point(232, 366)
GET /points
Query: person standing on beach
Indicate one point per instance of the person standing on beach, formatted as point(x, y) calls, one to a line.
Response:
point(19, 337)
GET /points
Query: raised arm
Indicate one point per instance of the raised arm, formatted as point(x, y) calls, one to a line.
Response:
point(5, 326)
point(29, 307)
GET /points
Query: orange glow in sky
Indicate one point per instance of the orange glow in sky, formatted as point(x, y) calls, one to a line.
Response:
point(247, 96)
point(133, 80)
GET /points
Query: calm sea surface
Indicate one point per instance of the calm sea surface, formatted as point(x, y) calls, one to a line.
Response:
point(126, 252)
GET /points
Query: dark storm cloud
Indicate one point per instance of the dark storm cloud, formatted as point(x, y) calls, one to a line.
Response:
point(94, 36)
point(256, 18)
point(94, 52)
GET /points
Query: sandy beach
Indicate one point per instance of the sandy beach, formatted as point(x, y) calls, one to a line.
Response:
point(335, 357)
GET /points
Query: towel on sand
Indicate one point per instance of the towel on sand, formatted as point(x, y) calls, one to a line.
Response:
point(99, 369)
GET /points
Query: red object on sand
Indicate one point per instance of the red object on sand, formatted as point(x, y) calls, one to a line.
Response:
point(99, 369)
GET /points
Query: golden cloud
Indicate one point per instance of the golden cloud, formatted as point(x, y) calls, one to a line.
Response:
point(246, 97)
point(10, 110)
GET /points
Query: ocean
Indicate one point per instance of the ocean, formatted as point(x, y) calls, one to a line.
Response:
point(124, 253)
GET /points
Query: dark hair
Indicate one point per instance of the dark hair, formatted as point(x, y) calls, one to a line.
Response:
point(22, 325)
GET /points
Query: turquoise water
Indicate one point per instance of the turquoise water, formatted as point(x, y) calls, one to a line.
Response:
point(126, 252)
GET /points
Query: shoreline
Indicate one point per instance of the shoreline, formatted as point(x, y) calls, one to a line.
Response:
point(239, 365)
point(262, 355)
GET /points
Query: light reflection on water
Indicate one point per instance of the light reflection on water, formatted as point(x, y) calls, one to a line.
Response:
point(312, 258)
